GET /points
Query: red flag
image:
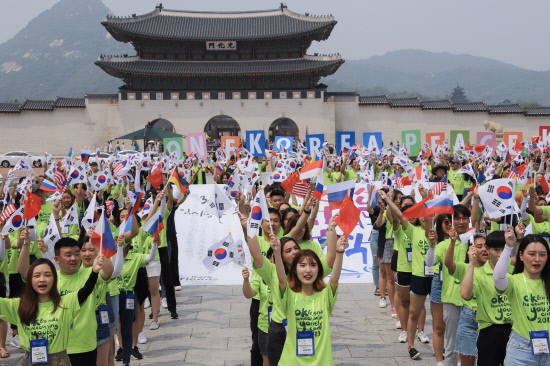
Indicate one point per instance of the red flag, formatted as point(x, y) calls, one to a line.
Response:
point(520, 169)
point(479, 148)
point(156, 178)
point(288, 183)
point(535, 139)
point(518, 146)
point(545, 183)
point(418, 210)
point(349, 216)
point(32, 206)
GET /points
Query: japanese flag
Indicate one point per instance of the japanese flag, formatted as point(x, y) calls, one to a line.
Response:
point(258, 213)
point(221, 253)
point(498, 196)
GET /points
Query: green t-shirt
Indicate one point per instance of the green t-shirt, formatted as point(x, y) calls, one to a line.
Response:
point(492, 307)
point(420, 245)
point(266, 300)
point(309, 313)
point(458, 182)
point(530, 315)
point(199, 174)
point(308, 244)
point(389, 227)
point(58, 324)
point(268, 273)
point(328, 178)
point(334, 177)
point(459, 274)
point(85, 324)
point(351, 175)
point(127, 279)
point(401, 244)
point(264, 246)
point(44, 214)
point(162, 236)
point(450, 288)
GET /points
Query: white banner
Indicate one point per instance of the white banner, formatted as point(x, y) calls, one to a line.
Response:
point(197, 231)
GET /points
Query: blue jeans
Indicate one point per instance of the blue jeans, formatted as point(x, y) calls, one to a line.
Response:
point(374, 250)
point(518, 353)
point(126, 323)
point(466, 336)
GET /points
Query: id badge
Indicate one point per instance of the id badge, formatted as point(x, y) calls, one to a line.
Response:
point(269, 309)
point(441, 273)
point(539, 343)
point(409, 254)
point(428, 270)
point(38, 351)
point(103, 314)
point(130, 301)
point(305, 344)
point(65, 229)
point(285, 324)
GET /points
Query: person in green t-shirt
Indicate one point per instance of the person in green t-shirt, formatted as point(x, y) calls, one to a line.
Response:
point(198, 173)
point(41, 313)
point(307, 303)
point(493, 312)
point(458, 181)
point(528, 290)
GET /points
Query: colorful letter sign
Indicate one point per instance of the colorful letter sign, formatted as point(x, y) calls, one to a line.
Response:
point(255, 142)
point(510, 138)
point(373, 141)
point(435, 138)
point(174, 145)
point(283, 142)
point(229, 144)
point(459, 138)
point(314, 144)
point(196, 142)
point(544, 133)
point(487, 138)
point(344, 139)
point(411, 140)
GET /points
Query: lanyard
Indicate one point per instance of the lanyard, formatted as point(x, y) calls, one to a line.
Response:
point(47, 323)
point(529, 298)
point(312, 310)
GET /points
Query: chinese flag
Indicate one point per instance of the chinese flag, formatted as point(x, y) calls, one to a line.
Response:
point(349, 216)
point(289, 182)
point(418, 210)
point(479, 148)
point(32, 206)
point(156, 178)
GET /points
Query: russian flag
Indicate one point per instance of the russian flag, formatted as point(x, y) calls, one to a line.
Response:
point(319, 186)
point(48, 186)
point(311, 170)
point(345, 150)
point(219, 169)
point(440, 205)
point(337, 192)
point(85, 155)
point(373, 195)
point(103, 238)
point(154, 226)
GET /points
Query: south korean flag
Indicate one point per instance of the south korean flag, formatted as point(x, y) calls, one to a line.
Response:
point(100, 180)
point(71, 217)
point(220, 254)
point(497, 196)
point(51, 236)
point(77, 174)
point(258, 213)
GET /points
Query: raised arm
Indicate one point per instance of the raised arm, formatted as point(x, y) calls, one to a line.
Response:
point(313, 216)
point(332, 239)
point(536, 210)
point(169, 197)
point(501, 268)
point(296, 230)
point(430, 257)
point(396, 214)
point(449, 260)
point(255, 251)
point(152, 255)
point(248, 291)
point(275, 243)
point(118, 258)
point(467, 286)
point(337, 268)
point(89, 286)
point(475, 208)
point(23, 263)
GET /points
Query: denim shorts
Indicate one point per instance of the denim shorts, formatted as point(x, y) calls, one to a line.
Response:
point(518, 353)
point(466, 335)
point(435, 295)
point(110, 309)
point(103, 334)
point(115, 305)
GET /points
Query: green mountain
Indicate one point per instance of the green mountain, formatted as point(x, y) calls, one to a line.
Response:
point(54, 54)
point(423, 73)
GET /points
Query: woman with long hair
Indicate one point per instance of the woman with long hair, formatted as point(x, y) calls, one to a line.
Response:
point(43, 316)
point(528, 290)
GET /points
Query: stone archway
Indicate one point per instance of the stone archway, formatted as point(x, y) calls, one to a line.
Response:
point(163, 124)
point(283, 127)
point(219, 126)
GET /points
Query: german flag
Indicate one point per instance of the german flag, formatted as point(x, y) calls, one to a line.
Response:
point(179, 181)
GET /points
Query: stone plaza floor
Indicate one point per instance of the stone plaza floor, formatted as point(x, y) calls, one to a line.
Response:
point(213, 329)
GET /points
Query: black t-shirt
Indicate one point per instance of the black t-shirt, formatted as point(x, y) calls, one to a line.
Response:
point(374, 216)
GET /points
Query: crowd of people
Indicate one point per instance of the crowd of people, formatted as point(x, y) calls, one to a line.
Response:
point(80, 298)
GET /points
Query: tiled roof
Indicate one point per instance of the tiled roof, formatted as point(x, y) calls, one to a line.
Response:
point(321, 65)
point(373, 100)
point(505, 108)
point(101, 96)
point(470, 107)
point(404, 102)
point(219, 26)
point(10, 107)
point(537, 111)
point(436, 104)
point(38, 105)
point(70, 103)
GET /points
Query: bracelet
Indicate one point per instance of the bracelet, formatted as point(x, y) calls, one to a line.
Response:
point(56, 219)
point(308, 212)
point(341, 252)
point(476, 198)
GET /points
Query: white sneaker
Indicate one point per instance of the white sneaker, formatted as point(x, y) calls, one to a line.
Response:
point(15, 341)
point(440, 363)
point(154, 325)
point(382, 303)
point(116, 342)
point(398, 325)
point(177, 288)
point(147, 303)
point(403, 337)
point(423, 337)
point(142, 339)
point(164, 303)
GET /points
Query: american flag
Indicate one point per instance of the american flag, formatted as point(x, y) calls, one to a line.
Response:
point(300, 189)
point(441, 186)
point(60, 181)
point(10, 209)
point(513, 174)
point(119, 168)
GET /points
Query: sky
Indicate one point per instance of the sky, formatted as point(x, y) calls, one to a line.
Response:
point(509, 31)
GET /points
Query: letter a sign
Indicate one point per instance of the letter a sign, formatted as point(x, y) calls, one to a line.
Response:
point(255, 141)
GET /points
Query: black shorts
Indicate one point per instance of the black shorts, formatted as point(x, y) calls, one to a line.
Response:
point(141, 289)
point(421, 286)
point(393, 264)
point(404, 279)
